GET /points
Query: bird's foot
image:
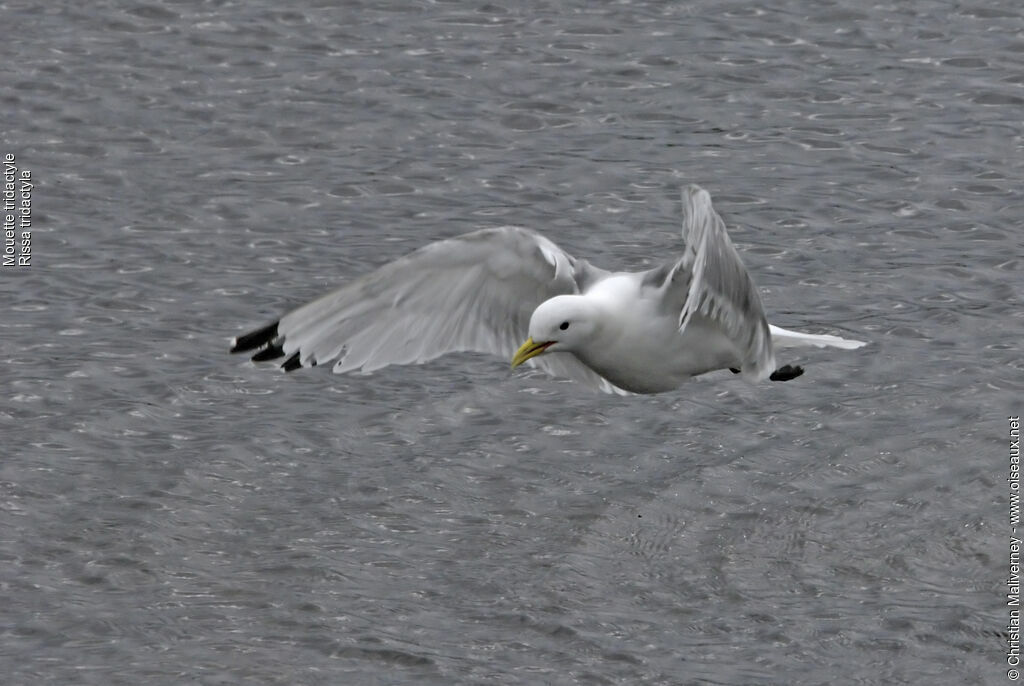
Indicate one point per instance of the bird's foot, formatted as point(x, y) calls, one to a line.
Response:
point(786, 372)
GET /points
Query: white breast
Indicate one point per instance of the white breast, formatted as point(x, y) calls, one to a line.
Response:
point(640, 349)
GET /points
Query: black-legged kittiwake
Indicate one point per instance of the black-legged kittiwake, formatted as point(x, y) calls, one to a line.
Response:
point(640, 332)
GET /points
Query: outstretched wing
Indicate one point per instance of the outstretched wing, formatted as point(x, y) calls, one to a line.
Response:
point(720, 287)
point(475, 292)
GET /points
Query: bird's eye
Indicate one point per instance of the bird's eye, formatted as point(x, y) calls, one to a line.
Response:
point(564, 326)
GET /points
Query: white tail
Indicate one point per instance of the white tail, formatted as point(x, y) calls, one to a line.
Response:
point(784, 338)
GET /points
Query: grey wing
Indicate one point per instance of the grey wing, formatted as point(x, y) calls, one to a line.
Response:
point(470, 293)
point(719, 286)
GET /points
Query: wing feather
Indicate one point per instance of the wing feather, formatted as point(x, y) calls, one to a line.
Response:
point(475, 292)
point(720, 287)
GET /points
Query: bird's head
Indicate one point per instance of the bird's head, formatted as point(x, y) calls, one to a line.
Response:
point(562, 324)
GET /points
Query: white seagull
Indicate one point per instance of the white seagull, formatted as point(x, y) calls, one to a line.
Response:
point(621, 332)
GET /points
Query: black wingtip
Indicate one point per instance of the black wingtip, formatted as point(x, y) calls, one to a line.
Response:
point(268, 344)
point(271, 352)
point(256, 339)
point(292, 363)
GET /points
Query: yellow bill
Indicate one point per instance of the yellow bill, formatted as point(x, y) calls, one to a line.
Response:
point(529, 349)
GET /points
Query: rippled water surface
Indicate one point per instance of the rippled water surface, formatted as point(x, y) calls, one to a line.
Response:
point(170, 514)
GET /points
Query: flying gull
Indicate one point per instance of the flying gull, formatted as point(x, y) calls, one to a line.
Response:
point(621, 332)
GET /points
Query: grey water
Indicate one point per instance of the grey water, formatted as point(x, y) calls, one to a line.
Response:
point(172, 514)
